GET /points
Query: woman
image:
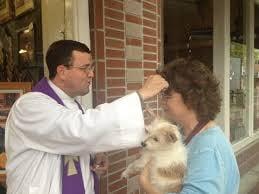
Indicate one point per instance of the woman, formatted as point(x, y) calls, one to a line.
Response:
point(193, 101)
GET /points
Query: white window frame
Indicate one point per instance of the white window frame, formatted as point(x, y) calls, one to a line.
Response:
point(221, 66)
point(221, 58)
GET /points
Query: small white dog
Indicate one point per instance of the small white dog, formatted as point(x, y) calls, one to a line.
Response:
point(166, 154)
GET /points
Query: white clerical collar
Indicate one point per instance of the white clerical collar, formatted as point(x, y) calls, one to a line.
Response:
point(60, 92)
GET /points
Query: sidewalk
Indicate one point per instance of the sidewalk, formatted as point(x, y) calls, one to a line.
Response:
point(249, 183)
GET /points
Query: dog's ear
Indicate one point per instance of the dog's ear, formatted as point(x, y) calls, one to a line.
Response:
point(171, 137)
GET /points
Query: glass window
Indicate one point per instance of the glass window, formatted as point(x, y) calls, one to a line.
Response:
point(238, 72)
point(188, 30)
point(21, 50)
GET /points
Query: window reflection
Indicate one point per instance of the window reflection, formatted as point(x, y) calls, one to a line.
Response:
point(238, 72)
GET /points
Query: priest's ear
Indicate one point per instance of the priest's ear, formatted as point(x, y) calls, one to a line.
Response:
point(62, 71)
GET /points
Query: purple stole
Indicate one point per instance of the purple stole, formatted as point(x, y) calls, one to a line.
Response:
point(72, 183)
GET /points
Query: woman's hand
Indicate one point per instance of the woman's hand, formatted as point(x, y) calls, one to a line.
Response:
point(143, 177)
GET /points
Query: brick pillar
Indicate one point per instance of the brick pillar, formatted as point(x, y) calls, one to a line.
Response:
point(125, 41)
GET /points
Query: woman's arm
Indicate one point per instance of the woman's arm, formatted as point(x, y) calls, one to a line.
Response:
point(205, 175)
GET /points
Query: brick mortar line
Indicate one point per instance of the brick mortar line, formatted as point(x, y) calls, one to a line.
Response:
point(108, 37)
point(133, 60)
point(109, 8)
point(116, 68)
point(113, 19)
point(115, 49)
point(149, 44)
point(111, 38)
point(149, 52)
point(117, 152)
point(150, 3)
point(117, 1)
point(115, 58)
point(148, 69)
point(148, 60)
point(133, 14)
point(119, 189)
point(97, 29)
point(99, 60)
point(145, 9)
point(110, 183)
point(110, 28)
point(150, 28)
point(138, 38)
point(114, 97)
point(116, 87)
point(150, 20)
point(150, 10)
point(116, 77)
point(150, 36)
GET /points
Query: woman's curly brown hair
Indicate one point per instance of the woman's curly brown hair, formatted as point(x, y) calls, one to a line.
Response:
point(197, 85)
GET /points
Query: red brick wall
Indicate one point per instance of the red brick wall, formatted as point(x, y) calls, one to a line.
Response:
point(125, 43)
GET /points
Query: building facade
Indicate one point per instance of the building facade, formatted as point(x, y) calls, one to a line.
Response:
point(130, 39)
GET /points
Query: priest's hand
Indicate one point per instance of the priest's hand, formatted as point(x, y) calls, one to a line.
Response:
point(152, 86)
point(100, 164)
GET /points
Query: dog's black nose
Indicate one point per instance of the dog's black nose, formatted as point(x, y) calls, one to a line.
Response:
point(143, 144)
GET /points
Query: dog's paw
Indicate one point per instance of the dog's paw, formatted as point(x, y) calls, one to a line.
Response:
point(125, 174)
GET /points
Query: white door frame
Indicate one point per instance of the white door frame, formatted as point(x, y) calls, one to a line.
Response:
point(81, 32)
point(71, 23)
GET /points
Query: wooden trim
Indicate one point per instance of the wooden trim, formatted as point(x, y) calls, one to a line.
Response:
point(25, 86)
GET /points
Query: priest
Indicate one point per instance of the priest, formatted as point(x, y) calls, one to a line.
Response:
point(50, 136)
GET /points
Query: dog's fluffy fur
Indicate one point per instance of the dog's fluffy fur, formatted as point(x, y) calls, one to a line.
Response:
point(167, 156)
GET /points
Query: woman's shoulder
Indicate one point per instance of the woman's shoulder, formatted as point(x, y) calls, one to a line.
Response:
point(210, 139)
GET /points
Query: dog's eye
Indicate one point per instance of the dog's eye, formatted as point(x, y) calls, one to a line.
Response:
point(155, 139)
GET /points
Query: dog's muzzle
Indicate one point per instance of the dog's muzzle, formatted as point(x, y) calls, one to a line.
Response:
point(143, 144)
